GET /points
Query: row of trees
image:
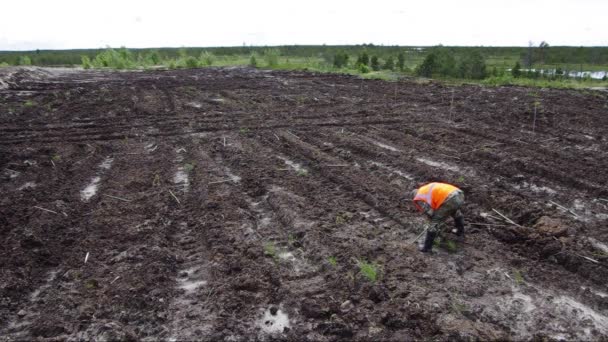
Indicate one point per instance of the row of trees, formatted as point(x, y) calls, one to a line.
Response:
point(442, 62)
point(365, 63)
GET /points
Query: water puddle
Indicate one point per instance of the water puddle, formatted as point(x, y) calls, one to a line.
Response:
point(234, 178)
point(151, 147)
point(392, 170)
point(11, 174)
point(274, 321)
point(28, 185)
point(297, 167)
point(194, 104)
point(190, 286)
point(181, 177)
point(90, 190)
point(384, 146)
point(107, 163)
point(598, 245)
point(441, 165)
point(524, 309)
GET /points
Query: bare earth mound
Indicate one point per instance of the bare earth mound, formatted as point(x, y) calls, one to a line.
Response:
point(238, 204)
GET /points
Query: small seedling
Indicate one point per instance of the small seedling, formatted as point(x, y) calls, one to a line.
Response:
point(29, 103)
point(518, 277)
point(450, 246)
point(458, 307)
point(341, 218)
point(302, 173)
point(460, 179)
point(188, 167)
point(270, 250)
point(332, 261)
point(369, 270)
point(291, 239)
point(156, 180)
point(244, 130)
point(91, 284)
point(56, 158)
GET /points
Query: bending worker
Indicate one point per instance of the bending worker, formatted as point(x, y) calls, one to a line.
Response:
point(438, 201)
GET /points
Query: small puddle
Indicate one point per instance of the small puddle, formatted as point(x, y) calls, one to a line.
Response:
point(385, 146)
point(392, 170)
point(27, 185)
point(439, 164)
point(181, 177)
point(90, 189)
point(233, 177)
point(598, 245)
point(297, 167)
point(274, 323)
point(190, 285)
point(107, 163)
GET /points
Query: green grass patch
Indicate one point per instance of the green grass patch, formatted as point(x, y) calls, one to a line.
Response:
point(332, 261)
point(270, 249)
point(368, 270)
point(518, 277)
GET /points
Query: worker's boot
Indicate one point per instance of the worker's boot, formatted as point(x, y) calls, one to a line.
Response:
point(428, 242)
point(459, 223)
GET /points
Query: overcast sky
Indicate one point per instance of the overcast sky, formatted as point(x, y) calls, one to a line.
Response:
point(68, 24)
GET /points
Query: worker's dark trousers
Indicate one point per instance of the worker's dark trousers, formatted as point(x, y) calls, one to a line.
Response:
point(451, 207)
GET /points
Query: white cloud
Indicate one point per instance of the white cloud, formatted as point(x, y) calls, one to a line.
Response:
point(76, 24)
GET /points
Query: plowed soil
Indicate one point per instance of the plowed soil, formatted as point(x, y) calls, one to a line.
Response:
point(239, 204)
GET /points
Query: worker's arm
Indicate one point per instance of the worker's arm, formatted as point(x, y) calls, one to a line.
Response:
point(426, 208)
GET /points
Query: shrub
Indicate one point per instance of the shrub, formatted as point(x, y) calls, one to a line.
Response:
point(389, 64)
point(25, 60)
point(206, 58)
point(401, 61)
point(271, 56)
point(191, 62)
point(253, 62)
point(363, 59)
point(428, 65)
point(472, 65)
point(340, 59)
point(364, 69)
point(516, 71)
point(86, 62)
point(375, 63)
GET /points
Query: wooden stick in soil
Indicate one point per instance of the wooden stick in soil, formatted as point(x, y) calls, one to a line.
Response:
point(118, 198)
point(337, 165)
point(176, 199)
point(603, 199)
point(566, 209)
point(292, 134)
point(508, 219)
point(50, 211)
point(584, 257)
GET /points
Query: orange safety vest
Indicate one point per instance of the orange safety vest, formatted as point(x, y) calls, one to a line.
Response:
point(434, 194)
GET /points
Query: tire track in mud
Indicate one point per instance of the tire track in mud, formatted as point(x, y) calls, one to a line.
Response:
point(484, 193)
point(42, 249)
point(122, 261)
point(455, 269)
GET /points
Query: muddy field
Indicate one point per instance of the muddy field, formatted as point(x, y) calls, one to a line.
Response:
point(239, 204)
